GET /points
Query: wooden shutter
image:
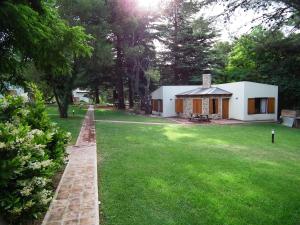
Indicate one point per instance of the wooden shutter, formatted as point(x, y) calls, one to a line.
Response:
point(179, 105)
point(216, 105)
point(210, 106)
point(225, 108)
point(251, 105)
point(155, 105)
point(160, 105)
point(197, 106)
point(271, 105)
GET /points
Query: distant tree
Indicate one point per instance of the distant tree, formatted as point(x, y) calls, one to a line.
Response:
point(92, 15)
point(220, 56)
point(187, 42)
point(268, 57)
point(135, 55)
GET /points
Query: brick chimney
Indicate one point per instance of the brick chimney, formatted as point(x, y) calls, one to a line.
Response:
point(206, 80)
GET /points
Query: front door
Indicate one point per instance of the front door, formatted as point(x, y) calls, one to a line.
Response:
point(225, 108)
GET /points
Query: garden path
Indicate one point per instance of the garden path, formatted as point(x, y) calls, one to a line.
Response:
point(132, 122)
point(76, 199)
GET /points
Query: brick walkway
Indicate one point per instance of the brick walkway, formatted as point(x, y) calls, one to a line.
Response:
point(76, 198)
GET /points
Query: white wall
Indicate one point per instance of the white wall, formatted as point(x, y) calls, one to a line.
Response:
point(241, 91)
point(81, 95)
point(257, 90)
point(168, 95)
point(236, 101)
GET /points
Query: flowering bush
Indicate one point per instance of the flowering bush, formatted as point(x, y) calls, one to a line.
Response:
point(32, 149)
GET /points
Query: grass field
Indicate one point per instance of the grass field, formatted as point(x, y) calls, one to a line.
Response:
point(188, 175)
point(104, 114)
point(71, 124)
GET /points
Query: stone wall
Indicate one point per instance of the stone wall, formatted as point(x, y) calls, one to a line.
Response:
point(188, 108)
point(205, 105)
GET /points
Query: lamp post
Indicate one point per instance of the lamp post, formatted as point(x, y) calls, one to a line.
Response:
point(273, 136)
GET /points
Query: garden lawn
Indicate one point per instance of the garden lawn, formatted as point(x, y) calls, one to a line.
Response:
point(210, 175)
point(107, 114)
point(71, 124)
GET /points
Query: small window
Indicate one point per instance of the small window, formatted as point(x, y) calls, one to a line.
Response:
point(213, 106)
point(157, 105)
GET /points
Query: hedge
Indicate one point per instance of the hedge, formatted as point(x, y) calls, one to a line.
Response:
point(32, 150)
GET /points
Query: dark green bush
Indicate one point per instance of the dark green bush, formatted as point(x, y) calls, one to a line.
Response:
point(32, 150)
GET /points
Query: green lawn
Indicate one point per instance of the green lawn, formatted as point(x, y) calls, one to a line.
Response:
point(106, 114)
point(210, 175)
point(71, 124)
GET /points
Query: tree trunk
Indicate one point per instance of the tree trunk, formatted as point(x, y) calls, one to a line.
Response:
point(176, 58)
point(119, 84)
point(130, 96)
point(96, 96)
point(71, 98)
point(147, 97)
point(63, 103)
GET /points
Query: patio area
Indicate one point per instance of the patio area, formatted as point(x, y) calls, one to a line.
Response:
point(194, 122)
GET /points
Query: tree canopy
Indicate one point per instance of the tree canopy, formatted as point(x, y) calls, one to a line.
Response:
point(111, 45)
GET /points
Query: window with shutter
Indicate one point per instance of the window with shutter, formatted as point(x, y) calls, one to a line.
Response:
point(213, 106)
point(155, 105)
point(261, 105)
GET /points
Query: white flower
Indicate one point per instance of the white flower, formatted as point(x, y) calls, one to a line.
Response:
point(2, 145)
point(26, 191)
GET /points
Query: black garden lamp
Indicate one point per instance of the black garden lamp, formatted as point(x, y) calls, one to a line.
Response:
point(273, 136)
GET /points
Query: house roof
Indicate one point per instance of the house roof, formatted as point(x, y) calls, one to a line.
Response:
point(205, 91)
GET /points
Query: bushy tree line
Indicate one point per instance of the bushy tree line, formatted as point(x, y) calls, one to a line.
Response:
point(32, 33)
point(265, 56)
point(32, 150)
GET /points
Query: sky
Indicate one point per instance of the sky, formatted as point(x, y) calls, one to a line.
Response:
point(240, 22)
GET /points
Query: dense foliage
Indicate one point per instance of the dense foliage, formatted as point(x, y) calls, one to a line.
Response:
point(267, 57)
point(39, 37)
point(32, 149)
point(188, 39)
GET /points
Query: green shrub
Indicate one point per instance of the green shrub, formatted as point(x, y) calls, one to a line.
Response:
point(32, 150)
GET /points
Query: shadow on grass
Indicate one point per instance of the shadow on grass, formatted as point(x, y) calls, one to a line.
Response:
point(199, 175)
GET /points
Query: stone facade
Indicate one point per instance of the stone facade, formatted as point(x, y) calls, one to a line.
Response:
point(205, 105)
point(188, 107)
point(206, 80)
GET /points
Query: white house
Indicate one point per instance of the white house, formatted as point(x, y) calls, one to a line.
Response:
point(244, 100)
point(81, 95)
point(16, 90)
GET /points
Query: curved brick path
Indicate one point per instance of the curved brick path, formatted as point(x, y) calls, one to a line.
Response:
point(76, 199)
